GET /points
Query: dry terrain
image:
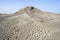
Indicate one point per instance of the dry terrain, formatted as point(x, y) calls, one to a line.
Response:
point(30, 24)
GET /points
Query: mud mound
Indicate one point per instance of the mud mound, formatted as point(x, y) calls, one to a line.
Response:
point(30, 24)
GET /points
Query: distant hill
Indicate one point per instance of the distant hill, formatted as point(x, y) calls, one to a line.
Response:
point(30, 23)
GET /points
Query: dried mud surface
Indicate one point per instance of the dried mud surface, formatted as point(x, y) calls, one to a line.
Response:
point(30, 24)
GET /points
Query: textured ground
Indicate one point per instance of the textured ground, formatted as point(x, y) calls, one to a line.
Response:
point(30, 24)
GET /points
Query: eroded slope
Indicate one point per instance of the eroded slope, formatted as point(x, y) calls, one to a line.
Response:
point(30, 24)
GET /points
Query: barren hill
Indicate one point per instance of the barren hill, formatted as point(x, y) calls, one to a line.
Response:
point(30, 24)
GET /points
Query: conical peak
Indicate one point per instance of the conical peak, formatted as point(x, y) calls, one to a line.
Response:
point(29, 9)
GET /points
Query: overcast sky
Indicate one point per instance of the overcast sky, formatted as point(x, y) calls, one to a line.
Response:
point(11, 6)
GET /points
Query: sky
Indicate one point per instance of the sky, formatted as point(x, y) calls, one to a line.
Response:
point(11, 6)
